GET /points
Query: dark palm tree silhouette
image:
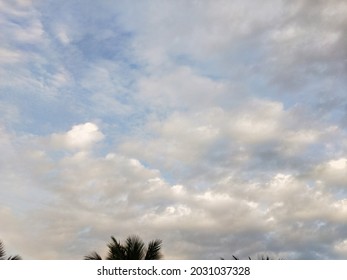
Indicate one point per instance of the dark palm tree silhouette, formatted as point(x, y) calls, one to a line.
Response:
point(3, 254)
point(133, 249)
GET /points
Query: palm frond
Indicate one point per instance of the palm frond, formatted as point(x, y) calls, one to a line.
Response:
point(132, 249)
point(135, 248)
point(2, 251)
point(115, 250)
point(153, 250)
point(93, 256)
point(14, 258)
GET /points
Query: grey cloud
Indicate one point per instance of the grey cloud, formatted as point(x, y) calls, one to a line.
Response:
point(309, 42)
point(115, 194)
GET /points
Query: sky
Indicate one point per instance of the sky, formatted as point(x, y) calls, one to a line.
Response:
point(219, 127)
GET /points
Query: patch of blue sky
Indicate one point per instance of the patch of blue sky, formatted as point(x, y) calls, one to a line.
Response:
point(31, 48)
point(119, 86)
point(87, 36)
point(111, 55)
point(112, 48)
point(42, 73)
point(17, 20)
point(340, 192)
point(326, 104)
point(171, 176)
point(43, 112)
point(39, 114)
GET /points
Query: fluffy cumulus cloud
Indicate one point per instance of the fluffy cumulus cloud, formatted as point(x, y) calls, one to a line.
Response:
point(216, 126)
point(81, 136)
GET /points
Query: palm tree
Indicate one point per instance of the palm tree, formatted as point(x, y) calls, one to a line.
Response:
point(133, 249)
point(3, 253)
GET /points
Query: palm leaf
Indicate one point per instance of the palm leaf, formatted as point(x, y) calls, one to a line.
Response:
point(93, 256)
point(2, 251)
point(14, 258)
point(153, 250)
point(115, 250)
point(134, 247)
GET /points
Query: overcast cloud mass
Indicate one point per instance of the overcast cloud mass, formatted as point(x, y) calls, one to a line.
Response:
point(217, 126)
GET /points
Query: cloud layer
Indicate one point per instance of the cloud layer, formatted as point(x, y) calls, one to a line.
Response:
point(216, 126)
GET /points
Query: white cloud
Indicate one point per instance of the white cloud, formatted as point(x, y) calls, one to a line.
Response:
point(259, 122)
point(34, 33)
point(338, 164)
point(82, 136)
point(225, 138)
point(9, 56)
point(341, 247)
point(333, 173)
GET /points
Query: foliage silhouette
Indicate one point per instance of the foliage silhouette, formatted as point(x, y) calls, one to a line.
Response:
point(267, 258)
point(3, 254)
point(133, 249)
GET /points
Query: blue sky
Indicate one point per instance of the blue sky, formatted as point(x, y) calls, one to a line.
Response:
point(217, 126)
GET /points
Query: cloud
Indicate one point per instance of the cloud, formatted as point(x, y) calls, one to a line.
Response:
point(209, 26)
point(332, 173)
point(308, 48)
point(238, 138)
point(8, 56)
point(216, 126)
point(82, 197)
point(180, 88)
point(81, 137)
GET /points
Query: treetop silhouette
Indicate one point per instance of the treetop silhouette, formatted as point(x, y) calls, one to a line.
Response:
point(3, 254)
point(132, 249)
